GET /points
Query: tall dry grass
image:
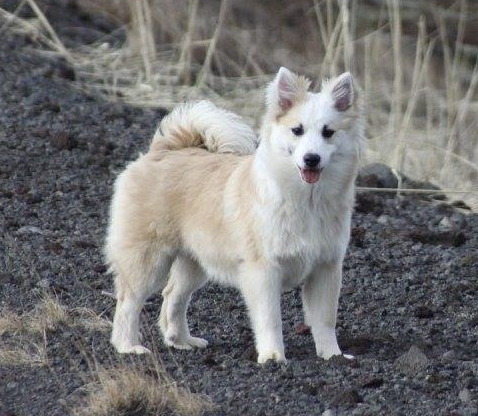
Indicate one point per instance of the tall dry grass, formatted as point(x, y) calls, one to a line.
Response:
point(416, 63)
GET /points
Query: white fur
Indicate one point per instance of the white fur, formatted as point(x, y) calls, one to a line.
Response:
point(257, 225)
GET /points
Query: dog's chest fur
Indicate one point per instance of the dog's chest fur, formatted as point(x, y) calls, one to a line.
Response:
point(288, 226)
point(308, 229)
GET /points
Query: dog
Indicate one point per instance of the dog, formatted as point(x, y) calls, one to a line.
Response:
point(204, 203)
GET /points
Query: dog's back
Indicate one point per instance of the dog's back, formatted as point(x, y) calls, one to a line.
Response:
point(194, 142)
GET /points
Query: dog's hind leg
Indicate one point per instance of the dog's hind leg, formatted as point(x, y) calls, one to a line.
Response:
point(135, 282)
point(186, 277)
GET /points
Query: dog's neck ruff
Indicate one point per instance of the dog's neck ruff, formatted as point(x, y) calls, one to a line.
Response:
point(299, 219)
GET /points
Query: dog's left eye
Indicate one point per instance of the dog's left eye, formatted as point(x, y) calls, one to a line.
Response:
point(299, 130)
point(326, 132)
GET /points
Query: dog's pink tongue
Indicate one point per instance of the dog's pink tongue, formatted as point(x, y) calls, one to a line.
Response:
point(310, 175)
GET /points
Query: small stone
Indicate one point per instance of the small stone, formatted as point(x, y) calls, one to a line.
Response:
point(448, 356)
point(465, 395)
point(54, 246)
point(329, 412)
point(209, 360)
point(372, 382)
point(302, 329)
point(100, 268)
point(29, 229)
point(424, 312)
point(356, 345)
point(446, 238)
point(460, 204)
point(445, 224)
point(434, 378)
point(33, 198)
point(62, 402)
point(84, 244)
point(383, 219)
point(377, 175)
point(412, 362)
point(357, 234)
point(62, 140)
point(347, 397)
point(12, 385)
point(52, 107)
point(41, 132)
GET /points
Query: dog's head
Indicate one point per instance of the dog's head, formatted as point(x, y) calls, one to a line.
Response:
point(309, 128)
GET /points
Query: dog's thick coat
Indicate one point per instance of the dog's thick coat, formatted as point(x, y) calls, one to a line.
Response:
point(202, 204)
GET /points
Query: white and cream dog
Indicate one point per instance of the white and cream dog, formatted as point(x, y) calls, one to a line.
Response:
point(203, 203)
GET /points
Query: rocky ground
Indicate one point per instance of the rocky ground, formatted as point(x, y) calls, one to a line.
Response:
point(408, 304)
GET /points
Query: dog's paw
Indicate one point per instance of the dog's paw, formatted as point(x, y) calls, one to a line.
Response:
point(186, 343)
point(327, 351)
point(276, 356)
point(198, 342)
point(327, 346)
point(133, 349)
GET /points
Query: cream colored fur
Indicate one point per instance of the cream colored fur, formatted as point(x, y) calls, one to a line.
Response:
point(202, 123)
point(181, 215)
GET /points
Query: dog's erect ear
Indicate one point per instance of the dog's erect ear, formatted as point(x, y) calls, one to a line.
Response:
point(286, 90)
point(343, 92)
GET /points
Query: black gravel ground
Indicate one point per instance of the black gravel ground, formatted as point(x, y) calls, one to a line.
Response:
point(408, 305)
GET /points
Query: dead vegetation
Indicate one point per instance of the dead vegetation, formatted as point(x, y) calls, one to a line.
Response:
point(141, 388)
point(415, 61)
point(24, 337)
point(131, 391)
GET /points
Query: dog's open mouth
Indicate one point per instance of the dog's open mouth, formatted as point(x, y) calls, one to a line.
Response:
point(310, 175)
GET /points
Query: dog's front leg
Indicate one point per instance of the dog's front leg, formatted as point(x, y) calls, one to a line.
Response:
point(320, 296)
point(261, 287)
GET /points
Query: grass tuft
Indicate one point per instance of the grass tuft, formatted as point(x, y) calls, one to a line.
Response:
point(49, 314)
point(132, 392)
point(25, 337)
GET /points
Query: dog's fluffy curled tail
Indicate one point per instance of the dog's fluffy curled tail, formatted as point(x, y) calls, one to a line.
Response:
point(202, 124)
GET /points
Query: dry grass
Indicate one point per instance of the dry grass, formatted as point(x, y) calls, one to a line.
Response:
point(413, 60)
point(23, 353)
point(89, 319)
point(26, 334)
point(133, 389)
point(10, 323)
point(132, 392)
point(48, 315)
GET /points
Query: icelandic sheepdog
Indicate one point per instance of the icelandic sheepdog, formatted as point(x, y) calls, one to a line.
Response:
point(205, 203)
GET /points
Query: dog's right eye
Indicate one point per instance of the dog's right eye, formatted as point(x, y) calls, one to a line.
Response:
point(299, 130)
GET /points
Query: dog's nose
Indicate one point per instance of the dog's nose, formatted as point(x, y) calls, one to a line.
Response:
point(311, 160)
